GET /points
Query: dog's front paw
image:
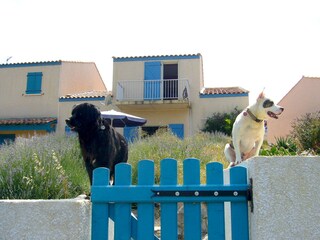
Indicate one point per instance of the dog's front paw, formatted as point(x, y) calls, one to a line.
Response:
point(83, 197)
point(238, 161)
point(232, 164)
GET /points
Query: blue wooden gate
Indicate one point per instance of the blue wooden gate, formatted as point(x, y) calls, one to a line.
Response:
point(115, 201)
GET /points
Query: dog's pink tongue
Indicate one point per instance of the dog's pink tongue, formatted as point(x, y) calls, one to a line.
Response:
point(271, 114)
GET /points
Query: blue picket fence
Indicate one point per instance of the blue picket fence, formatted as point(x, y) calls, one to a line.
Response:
point(115, 202)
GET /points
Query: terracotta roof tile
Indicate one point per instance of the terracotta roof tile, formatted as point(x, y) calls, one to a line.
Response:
point(89, 94)
point(27, 121)
point(223, 90)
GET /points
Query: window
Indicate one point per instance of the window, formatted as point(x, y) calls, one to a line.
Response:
point(34, 82)
point(149, 131)
point(176, 129)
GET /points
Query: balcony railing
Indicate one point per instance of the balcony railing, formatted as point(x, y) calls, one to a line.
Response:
point(152, 90)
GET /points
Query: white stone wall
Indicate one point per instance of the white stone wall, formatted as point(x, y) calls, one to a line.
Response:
point(45, 219)
point(286, 197)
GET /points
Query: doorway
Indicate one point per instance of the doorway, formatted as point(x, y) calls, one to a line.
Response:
point(170, 81)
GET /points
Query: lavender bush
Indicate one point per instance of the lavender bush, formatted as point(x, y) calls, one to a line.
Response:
point(42, 167)
point(51, 167)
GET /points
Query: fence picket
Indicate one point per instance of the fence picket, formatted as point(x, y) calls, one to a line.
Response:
point(122, 216)
point(169, 219)
point(146, 210)
point(100, 211)
point(239, 210)
point(192, 211)
point(216, 229)
point(115, 201)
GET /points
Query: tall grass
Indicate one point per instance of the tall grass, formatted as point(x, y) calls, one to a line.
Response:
point(51, 167)
point(206, 147)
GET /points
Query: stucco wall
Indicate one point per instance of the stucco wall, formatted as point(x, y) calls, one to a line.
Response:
point(303, 98)
point(163, 117)
point(286, 195)
point(45, 219)
point(77, 77)
point(202, 108)
point(15, 103)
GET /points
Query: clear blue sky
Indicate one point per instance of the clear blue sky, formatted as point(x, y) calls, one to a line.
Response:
point(252, 44)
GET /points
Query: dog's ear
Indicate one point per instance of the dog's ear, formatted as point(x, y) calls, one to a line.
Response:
point(261, 96)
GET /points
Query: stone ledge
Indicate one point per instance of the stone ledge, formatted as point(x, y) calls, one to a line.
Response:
point(45, 219)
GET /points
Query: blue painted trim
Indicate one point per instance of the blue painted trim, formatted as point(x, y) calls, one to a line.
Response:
point(33, 64)
point(223, 95)
point(81, 99)
point(36, 127)
point(156, 58)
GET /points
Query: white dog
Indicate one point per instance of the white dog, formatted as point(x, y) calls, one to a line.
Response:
point(248, 130)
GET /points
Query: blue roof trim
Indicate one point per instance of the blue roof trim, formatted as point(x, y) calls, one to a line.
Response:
point(224, 95)
point(81, 99)
point(49, 127)
point(32, 64)
point(156, 58)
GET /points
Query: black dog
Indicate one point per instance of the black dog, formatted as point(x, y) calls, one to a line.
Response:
point(101, 145)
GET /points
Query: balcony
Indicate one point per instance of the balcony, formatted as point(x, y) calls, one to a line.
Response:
point(153, 92)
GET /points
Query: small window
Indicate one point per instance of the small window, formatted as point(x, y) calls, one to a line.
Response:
point(34, 82)
point(149, 131)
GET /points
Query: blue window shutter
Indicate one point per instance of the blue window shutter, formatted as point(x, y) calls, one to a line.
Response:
point(152, 77)
point(130, 133)
point(177, 129)
point(34, 82)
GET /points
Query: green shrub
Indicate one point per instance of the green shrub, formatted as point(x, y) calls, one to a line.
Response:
point(221, 122)
point(284, 146)
point(306, 132)
point(42, 167)
point(203, 146)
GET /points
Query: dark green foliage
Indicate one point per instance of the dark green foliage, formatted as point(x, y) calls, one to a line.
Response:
point(221, 122)
point(282, 147)
point(306, 132)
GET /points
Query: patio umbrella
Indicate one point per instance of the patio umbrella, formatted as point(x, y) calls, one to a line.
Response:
point(120, 119)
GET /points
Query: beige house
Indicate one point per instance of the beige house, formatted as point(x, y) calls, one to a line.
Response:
point(303, 98)
point(36, 97)
point(168, 90)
